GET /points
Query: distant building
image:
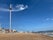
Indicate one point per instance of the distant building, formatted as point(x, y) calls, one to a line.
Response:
point(14, 30)
point(3, 30)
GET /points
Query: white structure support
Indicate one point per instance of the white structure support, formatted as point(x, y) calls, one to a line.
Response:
point(10, 21)
point(10, 17)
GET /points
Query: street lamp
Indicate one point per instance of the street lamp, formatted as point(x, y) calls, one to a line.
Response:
point(19, 7)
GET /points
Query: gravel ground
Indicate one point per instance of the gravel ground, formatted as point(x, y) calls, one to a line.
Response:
point(24, 36)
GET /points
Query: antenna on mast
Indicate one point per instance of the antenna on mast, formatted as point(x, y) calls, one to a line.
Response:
point(10, 7)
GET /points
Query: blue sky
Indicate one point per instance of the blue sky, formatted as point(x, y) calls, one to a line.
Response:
point(38, 16)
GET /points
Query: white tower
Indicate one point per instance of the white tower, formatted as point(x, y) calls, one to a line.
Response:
point(10, 17)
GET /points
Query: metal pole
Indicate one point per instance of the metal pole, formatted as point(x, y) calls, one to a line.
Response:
point(10, 21)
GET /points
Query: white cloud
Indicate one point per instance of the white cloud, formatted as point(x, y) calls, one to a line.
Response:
point(47, 19)
point(21, 7)
point(51, 19)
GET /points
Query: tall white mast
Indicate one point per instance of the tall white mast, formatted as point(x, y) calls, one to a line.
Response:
point(10, 17)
